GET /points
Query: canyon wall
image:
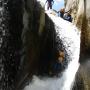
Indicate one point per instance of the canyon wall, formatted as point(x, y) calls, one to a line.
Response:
point(81, 17)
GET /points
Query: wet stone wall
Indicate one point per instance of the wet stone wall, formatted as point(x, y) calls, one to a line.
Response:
point(10, 41)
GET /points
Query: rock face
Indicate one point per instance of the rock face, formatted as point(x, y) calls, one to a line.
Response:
point(77, 10)
point(10, 41)
point(81, 17)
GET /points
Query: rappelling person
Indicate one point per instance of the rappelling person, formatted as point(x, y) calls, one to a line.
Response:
point(50, 3)
point(67, 16)
point(61, 12)
point(58, 64)
point(61, 56)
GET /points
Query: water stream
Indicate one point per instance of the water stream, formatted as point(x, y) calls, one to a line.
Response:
point(70, 36)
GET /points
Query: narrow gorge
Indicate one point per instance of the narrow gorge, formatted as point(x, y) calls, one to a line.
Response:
point(30, 43)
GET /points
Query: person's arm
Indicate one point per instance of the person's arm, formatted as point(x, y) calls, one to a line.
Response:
point(68, 18)
point(53, 2)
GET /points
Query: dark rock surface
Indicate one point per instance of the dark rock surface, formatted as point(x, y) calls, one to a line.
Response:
point(82, 81)
point(11, 16)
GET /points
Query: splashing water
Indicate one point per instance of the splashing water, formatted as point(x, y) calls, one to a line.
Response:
point(70, 36)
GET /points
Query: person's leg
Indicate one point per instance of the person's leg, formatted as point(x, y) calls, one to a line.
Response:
point(48, 6)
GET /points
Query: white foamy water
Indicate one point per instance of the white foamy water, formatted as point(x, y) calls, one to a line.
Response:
point(71, 39)
point(70, 36)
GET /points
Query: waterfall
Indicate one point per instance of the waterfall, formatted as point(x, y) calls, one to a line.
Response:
point(70, 36)
point(71, 39)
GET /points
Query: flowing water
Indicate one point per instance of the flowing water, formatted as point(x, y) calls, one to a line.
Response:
point(70, 36)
